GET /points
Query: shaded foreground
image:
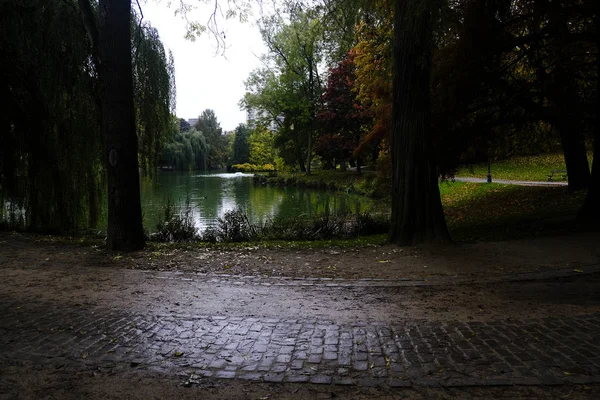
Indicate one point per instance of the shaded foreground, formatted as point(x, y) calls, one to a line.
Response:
point(76, 325)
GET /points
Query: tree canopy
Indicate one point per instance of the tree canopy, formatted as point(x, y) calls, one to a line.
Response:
point(52, 174)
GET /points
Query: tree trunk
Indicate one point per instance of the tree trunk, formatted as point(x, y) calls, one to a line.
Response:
point(589, 215)
point(575, 153)
point(125, 231)
point(309, 153)
point(417, 214)
point(567, 103)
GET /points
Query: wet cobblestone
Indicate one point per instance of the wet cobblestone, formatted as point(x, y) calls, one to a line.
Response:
point(371, 353)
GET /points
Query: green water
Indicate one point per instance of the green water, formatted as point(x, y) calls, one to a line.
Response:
point(212, 195)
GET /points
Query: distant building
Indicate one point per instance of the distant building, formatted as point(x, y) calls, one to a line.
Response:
point(192, 121)
point(253, 115)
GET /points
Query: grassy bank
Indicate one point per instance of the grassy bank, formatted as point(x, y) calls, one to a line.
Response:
point(488, 212)
point(530, 168)
point(366, 183)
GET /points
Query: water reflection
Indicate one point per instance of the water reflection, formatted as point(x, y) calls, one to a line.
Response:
point(212, 195)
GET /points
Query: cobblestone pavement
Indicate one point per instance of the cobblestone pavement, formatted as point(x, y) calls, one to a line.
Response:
point(553, 350)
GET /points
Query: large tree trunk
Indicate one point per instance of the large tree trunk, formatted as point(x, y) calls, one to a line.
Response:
point(417, 214)
point(589, 215)
point(125, 231)
point(575, 153)
point(567, 103)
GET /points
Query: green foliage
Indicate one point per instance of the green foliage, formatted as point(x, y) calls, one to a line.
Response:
point(235, 226)
point(261, 146)
point(176, 225)
point(154, 83)
point(185, 150)
point(241, 147)
point(290, 85)
point(246, 167)
point(51, 148)
point(348, 182)
point(217, 143)
point(51, 171)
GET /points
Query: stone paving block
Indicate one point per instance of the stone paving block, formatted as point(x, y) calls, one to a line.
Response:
point(398, 383)
point(361, 365)
point(225, 374)
point(320, 379)
point(251, 376)
point(279, 368)
point(297, 378)
point(315, 358)
point(284, 358)
point(494, 353)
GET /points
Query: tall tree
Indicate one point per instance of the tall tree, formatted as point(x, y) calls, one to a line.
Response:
point(154, 94)
point(241, 148)
point(290, 85)
point(112, 38)
point(417, 214)
point(342, 116)
point(209, 126)
point(50, 166)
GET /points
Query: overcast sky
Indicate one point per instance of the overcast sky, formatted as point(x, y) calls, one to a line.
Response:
point(205, 79)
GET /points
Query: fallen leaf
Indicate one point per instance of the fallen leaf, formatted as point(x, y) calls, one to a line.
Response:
point(578, 270)
point(384, 261)
point(178, 354)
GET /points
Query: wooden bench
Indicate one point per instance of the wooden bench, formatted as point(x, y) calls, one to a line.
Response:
point(561, 172)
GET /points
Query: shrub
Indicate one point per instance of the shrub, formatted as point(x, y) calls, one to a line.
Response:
point(174, 225)
point(233, 227)
point(252, 168)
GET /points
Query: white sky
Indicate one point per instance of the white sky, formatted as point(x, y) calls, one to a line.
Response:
point(205, 79)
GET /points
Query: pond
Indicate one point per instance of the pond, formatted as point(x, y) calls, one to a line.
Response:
point(211, 195)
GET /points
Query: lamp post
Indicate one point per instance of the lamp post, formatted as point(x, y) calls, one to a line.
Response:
point(489, 175)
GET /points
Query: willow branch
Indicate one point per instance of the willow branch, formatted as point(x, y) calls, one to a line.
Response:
point(89, 22)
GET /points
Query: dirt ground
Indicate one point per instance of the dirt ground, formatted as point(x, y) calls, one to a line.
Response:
point(43, 268)
point(378, 262)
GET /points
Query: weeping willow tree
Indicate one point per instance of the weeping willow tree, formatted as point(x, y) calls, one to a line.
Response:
point(52, 172)
point(185, 150)
point(154, 84)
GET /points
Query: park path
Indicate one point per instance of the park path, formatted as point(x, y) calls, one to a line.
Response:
point(512, 182)
point(374, 344)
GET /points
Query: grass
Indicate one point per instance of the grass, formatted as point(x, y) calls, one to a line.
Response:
point(530, 168)
point(490, 212)
point(366, 183)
